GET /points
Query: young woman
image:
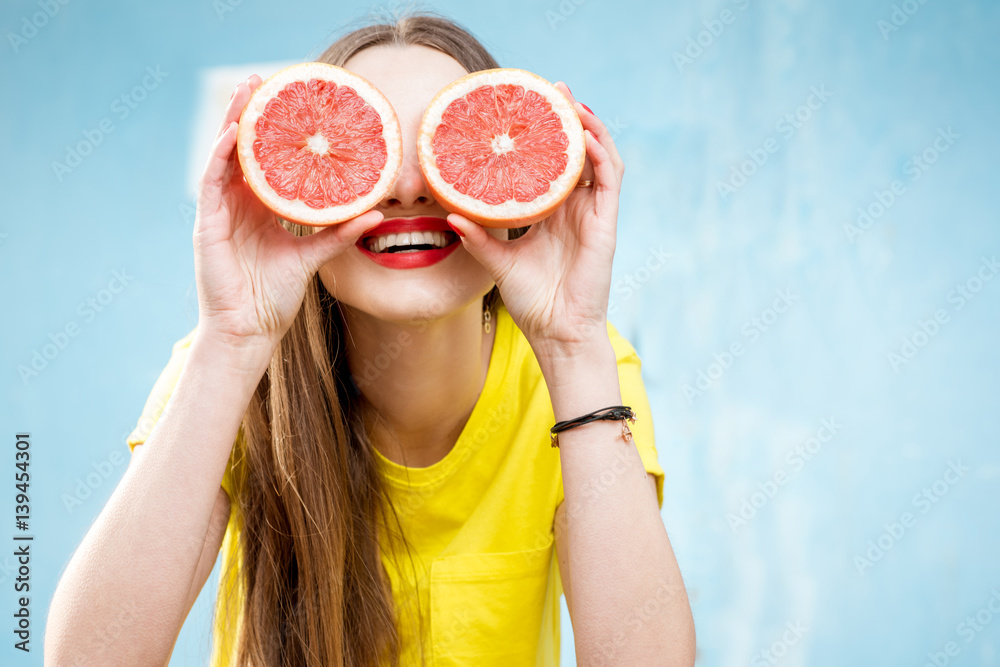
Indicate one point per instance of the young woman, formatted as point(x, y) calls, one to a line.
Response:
point(369, 444)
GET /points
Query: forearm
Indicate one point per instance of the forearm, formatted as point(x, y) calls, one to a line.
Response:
point(141, 553)
point(629, 601)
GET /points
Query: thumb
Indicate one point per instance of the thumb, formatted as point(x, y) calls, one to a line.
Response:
point(321, 246)
point(488, 250)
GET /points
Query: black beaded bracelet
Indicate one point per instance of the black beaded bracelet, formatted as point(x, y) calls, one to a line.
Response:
point(614, 413)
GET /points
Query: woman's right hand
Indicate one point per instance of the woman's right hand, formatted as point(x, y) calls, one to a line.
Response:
point(251, 272)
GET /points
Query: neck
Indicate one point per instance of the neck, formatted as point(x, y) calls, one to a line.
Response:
point(422, 379)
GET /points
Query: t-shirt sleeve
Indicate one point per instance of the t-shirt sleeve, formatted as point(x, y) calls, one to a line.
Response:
point(160, 395)
point(633, 392)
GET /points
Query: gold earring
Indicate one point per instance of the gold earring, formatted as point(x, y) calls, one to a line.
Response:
point(486, 319)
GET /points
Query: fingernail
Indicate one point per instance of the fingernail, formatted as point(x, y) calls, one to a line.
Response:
point(456, 230)
point(233, 94)
point(587, 108)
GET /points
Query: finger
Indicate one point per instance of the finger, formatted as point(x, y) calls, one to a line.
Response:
point(321, 246)
point(564, 89)
point(488, 250)
point(238, 101)
point(593, 123)
point(213, 179)
point(606, 185)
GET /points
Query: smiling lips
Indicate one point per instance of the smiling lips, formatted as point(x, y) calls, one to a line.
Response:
point(409, 243)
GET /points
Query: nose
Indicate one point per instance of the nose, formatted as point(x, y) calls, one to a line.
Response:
point(410, 189)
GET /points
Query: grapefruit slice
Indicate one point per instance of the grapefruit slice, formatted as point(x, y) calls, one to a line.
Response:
point(319, 144)
point(503, 147)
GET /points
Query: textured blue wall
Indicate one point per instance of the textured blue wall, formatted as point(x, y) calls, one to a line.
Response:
point(824, 378)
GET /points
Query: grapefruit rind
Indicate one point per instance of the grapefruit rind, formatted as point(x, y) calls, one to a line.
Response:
point(295, 210)
point(510, 213)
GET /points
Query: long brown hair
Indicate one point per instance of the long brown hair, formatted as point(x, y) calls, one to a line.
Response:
point(309, 494)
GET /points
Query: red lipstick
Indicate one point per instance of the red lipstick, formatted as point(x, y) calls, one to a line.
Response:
point(409, 260)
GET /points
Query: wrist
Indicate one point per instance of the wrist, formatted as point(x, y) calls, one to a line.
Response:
point(580, 379)
point(560, 353)
point(559, 358)
point(239, 355)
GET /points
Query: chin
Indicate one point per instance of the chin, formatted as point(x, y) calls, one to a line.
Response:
point(413, 299)
point(406, 295)
point(417, 309)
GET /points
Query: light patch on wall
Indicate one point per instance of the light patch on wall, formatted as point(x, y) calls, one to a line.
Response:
point(215, 87)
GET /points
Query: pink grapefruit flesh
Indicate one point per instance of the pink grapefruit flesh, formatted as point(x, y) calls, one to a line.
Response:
point(318, 144)
point(503, 147)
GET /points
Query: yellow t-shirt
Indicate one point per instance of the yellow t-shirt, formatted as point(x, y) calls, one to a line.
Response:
point(479, 522)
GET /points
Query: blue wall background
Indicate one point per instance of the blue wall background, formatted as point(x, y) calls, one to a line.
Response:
point(811, 478)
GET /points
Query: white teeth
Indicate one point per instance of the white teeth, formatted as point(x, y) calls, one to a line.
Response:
point(380, 243)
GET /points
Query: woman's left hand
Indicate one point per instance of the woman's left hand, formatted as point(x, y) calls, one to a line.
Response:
point(556, 279)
